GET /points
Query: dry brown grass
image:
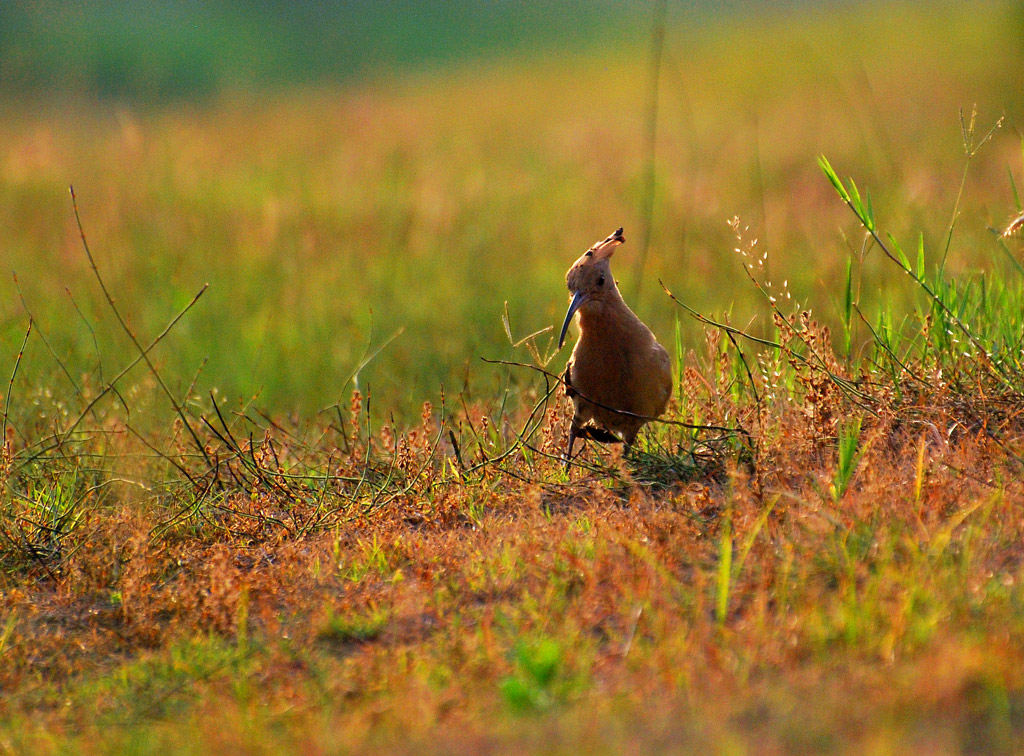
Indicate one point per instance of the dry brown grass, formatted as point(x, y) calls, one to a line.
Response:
point(501, 608)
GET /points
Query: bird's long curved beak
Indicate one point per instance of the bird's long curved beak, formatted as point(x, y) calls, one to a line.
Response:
point(577, 299)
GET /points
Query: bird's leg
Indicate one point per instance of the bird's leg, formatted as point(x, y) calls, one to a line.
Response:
point(627, 443)
point(573, 433)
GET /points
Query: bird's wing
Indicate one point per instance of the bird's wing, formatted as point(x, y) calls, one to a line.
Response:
point(664, 373)
point(601, 435)
point(567, 381)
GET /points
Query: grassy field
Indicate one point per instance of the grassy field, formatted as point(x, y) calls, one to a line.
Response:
point(311, 519)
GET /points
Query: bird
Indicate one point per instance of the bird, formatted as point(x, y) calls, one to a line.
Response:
point(619, 377)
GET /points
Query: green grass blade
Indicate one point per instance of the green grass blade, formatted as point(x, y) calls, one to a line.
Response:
point(900, 254)
point(830, 173)
point(724, 568)
point(848, 308)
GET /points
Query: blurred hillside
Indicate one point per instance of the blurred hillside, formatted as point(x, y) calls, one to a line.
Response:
point(185, 49)
point(152, 51)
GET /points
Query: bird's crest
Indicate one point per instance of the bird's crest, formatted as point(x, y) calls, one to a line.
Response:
point(590, 278)
point(604, 249)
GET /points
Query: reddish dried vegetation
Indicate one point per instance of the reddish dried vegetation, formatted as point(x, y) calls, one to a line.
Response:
point(423, 590)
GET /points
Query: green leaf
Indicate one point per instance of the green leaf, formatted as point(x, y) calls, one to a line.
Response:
point(848, 306)
point(848, 297)
point(920, 256)
point(540, 661)
point(900, 253)
point(826, 168)
point(864, 211)
point(517, 695)
point(847, 456)
point(855, 200)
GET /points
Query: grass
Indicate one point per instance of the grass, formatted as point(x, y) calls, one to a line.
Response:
point(243, 520)
point(321, 234)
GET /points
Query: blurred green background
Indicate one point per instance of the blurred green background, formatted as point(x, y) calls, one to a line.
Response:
point(153, 51)
point(339, 172)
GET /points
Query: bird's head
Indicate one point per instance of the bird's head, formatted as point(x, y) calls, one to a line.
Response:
point(590, 278)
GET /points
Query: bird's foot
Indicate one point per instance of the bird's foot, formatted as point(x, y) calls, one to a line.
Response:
point(601, 435)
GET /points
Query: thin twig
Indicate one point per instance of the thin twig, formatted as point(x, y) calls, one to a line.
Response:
point(10, 384)
point(626, 413)
point(46, 342)
point(92, 332)
point(110, 386)
point(844, 384)
point(124, 325)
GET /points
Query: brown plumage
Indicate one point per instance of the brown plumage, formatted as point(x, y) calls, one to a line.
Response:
point(619, 377)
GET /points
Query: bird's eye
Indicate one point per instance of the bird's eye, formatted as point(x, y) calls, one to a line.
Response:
point(589, 253)
point(600, 281)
